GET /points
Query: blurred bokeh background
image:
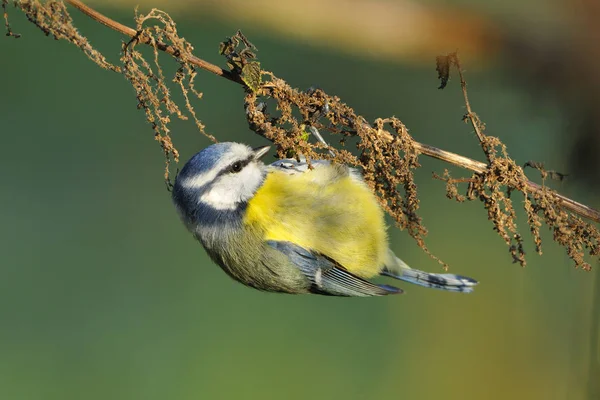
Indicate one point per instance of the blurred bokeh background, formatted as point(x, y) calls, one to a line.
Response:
point(104, 295)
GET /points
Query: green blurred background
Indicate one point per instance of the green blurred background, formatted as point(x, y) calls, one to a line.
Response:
point(104, 295)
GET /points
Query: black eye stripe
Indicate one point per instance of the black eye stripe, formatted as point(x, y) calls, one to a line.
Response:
point(237, 166)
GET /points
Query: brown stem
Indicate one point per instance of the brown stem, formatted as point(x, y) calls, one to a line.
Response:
point(470, 114)
point(422, 148)
point(125, 30)
point(480, 167)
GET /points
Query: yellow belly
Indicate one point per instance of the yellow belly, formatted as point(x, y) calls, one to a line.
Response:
point(326, 212)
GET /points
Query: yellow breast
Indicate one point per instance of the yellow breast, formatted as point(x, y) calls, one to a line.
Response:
point(325, 211)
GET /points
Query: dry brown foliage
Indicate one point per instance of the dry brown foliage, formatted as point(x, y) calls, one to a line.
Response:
point(150, 85)
point(387, 153)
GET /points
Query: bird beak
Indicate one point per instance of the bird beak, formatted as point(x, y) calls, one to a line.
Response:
point(260, 152)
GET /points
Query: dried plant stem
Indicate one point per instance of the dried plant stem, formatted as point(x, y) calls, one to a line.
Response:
point(125, 30)
point(431, 151)
point(479, 167)
point(470, 115)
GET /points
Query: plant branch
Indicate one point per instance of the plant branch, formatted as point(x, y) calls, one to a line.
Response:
point(125, 30)
point(470, 115)
point(430, 151)
point(480, 167)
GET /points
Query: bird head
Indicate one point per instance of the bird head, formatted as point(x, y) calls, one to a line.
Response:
point(222, 176)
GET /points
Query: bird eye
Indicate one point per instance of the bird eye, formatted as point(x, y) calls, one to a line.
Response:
point(236, 167)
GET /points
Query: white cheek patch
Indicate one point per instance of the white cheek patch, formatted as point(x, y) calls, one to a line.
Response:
point(231, 189)
point(219, 199)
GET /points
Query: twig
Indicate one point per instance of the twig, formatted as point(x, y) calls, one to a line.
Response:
point(478, 166)
point(320, 138)
point(422, 148)
point(470, 115)
point(125, 30)
point(9, 31)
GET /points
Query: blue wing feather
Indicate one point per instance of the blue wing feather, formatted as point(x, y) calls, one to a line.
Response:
point(326, 276)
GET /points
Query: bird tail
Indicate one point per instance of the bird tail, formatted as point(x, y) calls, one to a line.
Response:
point(398, 269)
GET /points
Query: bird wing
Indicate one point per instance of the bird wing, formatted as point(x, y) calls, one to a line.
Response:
point(319, 261)
point(292, 166)
point(328, 277)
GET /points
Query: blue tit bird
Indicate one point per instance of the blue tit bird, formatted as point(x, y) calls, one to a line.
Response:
point(289, 228)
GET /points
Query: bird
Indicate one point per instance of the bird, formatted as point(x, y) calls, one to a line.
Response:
point(291, 227)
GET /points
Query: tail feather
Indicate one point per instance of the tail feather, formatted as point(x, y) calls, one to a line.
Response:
point(398, 269)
